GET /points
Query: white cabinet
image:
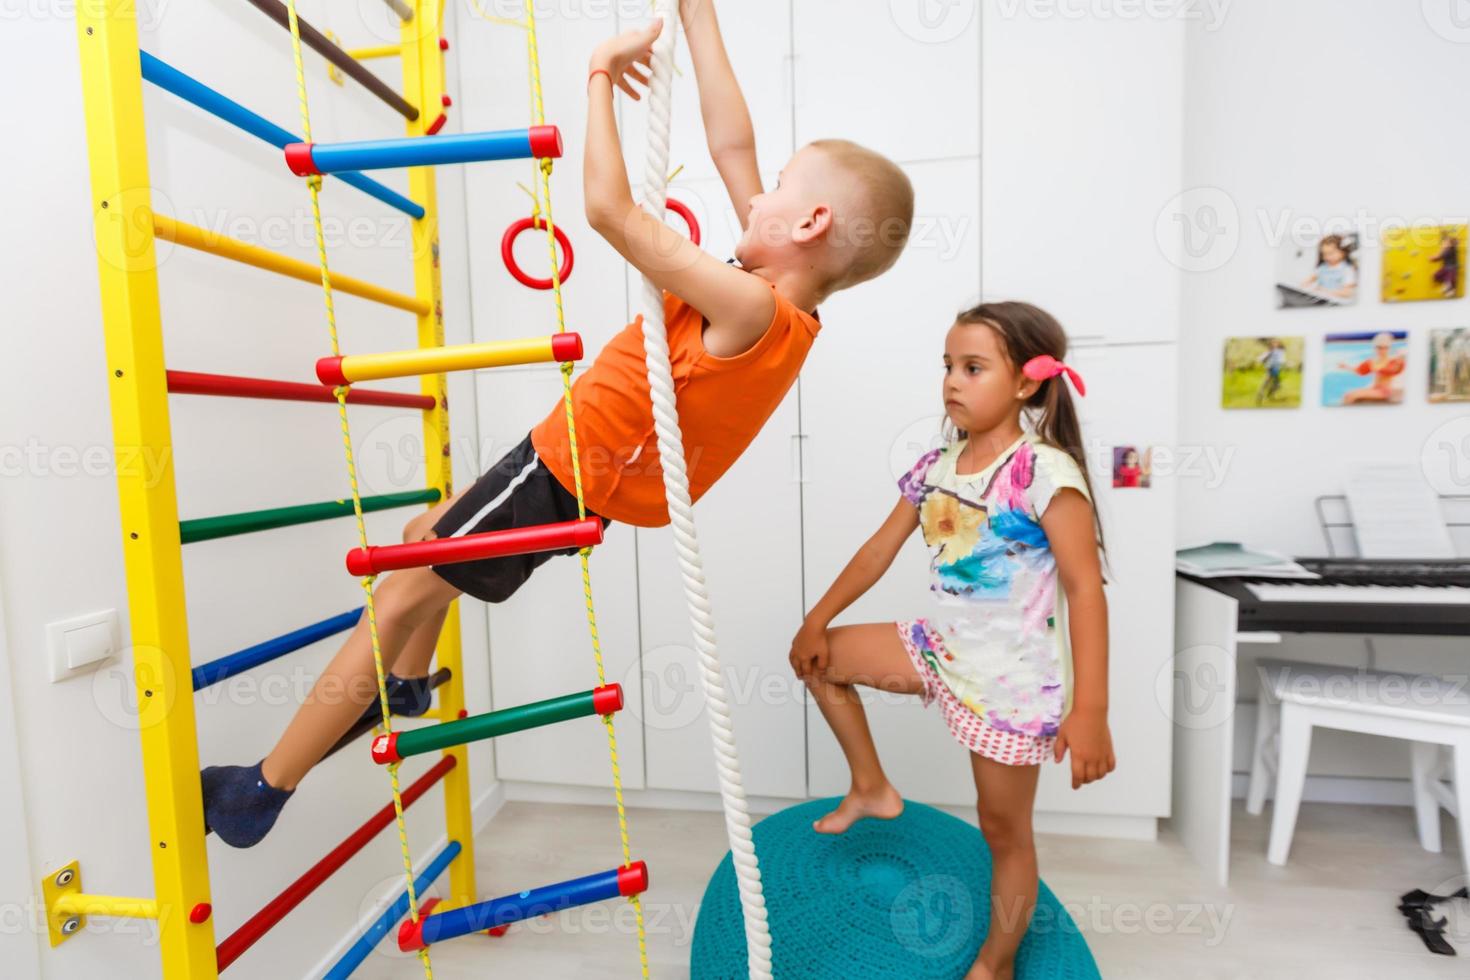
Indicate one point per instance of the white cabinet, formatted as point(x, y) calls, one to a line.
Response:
point(1132, 393)
point(750, 538)
point(758, 38)
point(871, 406)
point(539, 644)
point(903, 80)
point(1083, 133)
point(491, 59)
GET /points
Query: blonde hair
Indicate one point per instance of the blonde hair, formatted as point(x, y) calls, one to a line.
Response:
point(883, 204)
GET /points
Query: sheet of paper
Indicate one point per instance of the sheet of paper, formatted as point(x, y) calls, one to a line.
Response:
point(1396, 514)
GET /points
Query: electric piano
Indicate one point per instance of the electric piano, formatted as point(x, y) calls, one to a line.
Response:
point(1356, 595)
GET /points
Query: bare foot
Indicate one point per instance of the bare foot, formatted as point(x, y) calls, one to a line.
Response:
point(979, 971)
point(883, 804)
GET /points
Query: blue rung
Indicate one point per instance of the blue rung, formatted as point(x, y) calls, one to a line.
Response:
point(368, 941)
point(170, 79)
point(629, 880)
point(242, 660)
point(424, 151)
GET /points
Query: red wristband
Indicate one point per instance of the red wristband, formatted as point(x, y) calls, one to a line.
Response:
point(598, 71)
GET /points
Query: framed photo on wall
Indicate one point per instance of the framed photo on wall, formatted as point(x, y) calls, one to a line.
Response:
point(1318, 272)
point(1262, 372)
point(1423, 262)
point(1449, 365)
point(1364, 368)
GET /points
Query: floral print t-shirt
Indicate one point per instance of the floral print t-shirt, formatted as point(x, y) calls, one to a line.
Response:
point(997, 608)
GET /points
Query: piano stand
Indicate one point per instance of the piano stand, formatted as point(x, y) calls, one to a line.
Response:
point(1212, 619)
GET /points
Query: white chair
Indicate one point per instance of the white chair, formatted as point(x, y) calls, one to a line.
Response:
point(1429, 711)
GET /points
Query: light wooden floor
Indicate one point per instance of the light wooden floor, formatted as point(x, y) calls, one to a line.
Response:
point(1144, 907)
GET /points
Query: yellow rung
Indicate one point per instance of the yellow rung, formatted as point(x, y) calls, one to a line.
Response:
point(191, 236)
point(353, 368)
point(107, 906)
point(381, 51)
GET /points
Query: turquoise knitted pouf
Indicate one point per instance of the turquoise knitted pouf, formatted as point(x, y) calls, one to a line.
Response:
point(897, 899)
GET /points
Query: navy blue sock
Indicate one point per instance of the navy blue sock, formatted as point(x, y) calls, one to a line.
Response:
point(239, 805)
point(407, 696)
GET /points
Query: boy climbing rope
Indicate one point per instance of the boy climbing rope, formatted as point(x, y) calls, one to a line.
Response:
point(839, 215)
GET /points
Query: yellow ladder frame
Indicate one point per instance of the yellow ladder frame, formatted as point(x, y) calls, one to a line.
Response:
point(112, 88)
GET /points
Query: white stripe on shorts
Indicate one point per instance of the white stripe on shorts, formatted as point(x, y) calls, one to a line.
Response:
point(500, 498)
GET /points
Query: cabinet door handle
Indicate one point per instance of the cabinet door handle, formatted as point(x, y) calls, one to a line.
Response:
point(799, 459)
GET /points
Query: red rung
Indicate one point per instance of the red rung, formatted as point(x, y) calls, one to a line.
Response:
point(195, 383)
point(295, 893)
point(489, 544)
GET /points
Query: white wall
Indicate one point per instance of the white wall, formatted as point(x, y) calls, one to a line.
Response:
point(79, 764)
point(1320, 110)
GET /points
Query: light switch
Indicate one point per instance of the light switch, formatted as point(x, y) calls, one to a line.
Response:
point(77, 645)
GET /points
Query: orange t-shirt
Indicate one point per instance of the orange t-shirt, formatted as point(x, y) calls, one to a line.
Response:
point(723, 403)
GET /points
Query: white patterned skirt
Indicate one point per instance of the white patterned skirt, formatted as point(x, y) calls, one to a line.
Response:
point(968, 728)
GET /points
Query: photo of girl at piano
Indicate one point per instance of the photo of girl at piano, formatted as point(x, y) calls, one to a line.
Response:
point(1336, 273)
point(1369, 368)
point(1449, 365)
point(1323, 272)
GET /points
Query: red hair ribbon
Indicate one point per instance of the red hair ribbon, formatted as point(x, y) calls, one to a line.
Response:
point(1044, 366)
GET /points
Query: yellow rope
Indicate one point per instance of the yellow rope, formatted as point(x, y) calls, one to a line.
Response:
point(543, 184)
point(314, 184)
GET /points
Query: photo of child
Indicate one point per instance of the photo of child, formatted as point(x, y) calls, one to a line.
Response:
point(1449, 365)
point(1318, 273)
point(1130, 469)
point(1364, 368)
point(1262, 372)
point(1424, 262)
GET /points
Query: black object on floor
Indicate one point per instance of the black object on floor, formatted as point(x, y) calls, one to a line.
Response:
point(1417, 907)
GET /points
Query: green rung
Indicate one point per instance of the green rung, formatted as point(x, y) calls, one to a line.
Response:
point(205, 528)
point(396, 746)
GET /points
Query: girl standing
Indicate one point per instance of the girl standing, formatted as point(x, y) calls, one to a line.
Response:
point(1015, 575)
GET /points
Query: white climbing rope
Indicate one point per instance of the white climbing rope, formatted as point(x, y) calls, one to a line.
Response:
point(681, 516)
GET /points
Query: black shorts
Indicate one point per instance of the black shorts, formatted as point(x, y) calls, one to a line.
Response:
point(518, 491)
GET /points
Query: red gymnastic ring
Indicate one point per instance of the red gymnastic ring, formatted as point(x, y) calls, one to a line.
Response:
point(507, 252)
point(682, 210)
